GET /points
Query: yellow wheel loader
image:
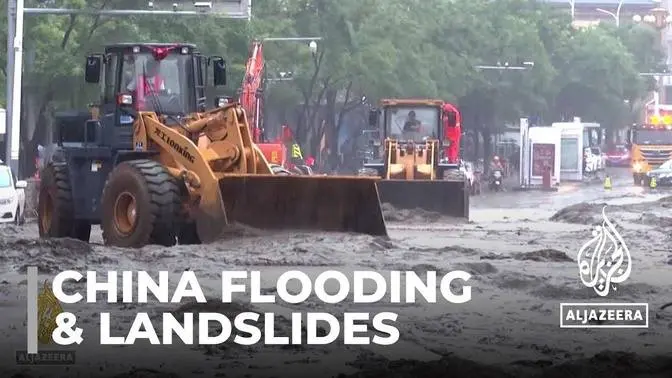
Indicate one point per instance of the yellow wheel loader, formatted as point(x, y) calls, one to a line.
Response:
point(152, 165)
point(418, 162)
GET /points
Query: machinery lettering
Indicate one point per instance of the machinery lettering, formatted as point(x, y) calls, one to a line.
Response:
point(176, 146)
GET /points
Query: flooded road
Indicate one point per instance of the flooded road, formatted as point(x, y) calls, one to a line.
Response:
point(520, 248)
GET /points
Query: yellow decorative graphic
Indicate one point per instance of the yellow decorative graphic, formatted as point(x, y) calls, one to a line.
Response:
point(48, 308)
point(296, 151)
point(274, 157)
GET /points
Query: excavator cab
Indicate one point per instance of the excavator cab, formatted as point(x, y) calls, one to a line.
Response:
point(151, 164)
point(412, 163)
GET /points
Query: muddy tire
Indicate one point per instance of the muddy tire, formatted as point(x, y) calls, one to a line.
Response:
point(17, 216)
point(637, 179)
point(188, 234)
point(55, 210)
point(140, 205)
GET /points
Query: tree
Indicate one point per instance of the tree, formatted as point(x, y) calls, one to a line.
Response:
point(369, 48)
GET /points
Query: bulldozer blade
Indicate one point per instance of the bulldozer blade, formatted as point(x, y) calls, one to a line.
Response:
point(448, 197)
point(326, 203)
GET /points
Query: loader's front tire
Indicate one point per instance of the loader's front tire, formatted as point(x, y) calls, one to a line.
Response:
point(140, 205)
point(55, 210)
point(188, 234)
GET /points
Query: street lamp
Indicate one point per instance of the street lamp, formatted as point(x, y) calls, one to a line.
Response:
point(617, 15)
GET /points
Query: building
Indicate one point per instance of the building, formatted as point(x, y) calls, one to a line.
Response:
point(593, 12)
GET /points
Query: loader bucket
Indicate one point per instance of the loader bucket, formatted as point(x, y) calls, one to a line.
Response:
point(449, 198)
point(325, 203)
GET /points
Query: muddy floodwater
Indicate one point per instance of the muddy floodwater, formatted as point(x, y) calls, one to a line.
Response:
point(520, 248)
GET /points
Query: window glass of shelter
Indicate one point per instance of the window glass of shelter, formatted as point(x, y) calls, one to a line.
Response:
point(412, 123)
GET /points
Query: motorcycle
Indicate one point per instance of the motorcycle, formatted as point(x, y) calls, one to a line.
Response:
point(496, 181)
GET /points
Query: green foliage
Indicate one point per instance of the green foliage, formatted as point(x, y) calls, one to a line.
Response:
point(378, 49)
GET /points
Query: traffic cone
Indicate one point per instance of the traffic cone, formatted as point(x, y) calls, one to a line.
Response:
point(607, 182)
point(653, 183)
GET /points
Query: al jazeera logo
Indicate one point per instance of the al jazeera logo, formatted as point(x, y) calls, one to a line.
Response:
point(604, 262)
point(48, 308)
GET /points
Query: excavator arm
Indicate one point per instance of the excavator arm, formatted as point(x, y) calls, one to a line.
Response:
point(252, 81)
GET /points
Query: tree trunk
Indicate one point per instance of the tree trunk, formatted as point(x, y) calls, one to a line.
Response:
point(486, 132)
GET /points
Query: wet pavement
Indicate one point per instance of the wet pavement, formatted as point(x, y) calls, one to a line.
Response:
point(520, 248)
point(622, 192)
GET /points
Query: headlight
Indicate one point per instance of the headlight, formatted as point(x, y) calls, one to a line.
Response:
point(5, 201)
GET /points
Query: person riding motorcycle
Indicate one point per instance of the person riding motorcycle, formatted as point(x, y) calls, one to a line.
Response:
point(496, 164)
point(496, 172)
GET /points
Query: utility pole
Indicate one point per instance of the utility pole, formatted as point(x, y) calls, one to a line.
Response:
point(241, 10)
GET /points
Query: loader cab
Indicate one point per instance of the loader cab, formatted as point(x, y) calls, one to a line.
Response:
point(169, 79)
point(412, 122)
point(405, 121)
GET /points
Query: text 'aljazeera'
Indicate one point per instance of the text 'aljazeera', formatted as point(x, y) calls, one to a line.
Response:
point(248, 327)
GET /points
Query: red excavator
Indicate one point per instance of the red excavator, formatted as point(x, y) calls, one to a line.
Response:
point(251, 98)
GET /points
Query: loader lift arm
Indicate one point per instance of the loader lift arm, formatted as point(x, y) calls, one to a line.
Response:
point(230, 151)
point(230, 181)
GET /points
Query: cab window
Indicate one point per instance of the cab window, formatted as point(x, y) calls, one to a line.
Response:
point(110, 90)
point(412, 123)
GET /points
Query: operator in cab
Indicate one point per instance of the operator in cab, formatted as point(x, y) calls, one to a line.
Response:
point(412, 124)
point(152, 80)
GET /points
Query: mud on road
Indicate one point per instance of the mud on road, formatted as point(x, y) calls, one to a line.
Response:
point(523, 267)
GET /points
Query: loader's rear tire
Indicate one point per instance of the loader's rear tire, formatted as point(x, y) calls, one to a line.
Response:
point(55, 210)
point(140, 205)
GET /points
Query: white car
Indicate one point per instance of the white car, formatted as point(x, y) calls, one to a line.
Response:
point(12, 197)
